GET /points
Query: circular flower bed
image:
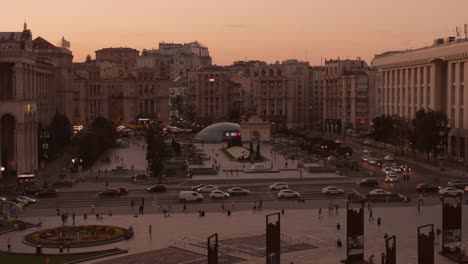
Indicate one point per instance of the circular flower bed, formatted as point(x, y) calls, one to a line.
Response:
point(77, 236)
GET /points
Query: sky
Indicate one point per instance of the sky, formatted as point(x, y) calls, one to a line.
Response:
point(269, 30)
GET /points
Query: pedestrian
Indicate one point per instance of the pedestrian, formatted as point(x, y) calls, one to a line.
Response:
point(61, 248)
point(9, 245)
point(132, 203)
point(68, 247)
point(336, 207)
point(339, 244)
point(57, 211)
point(254, 205)
point(379, 221)
point(419, 209)
point(320, 213)
point(142, 200)
point(300, 173)
point(85, 216)
point(438, 232)
point(260, 205)
point(385, 236)
point(286, 164)
point(421, 201)
point(233, 206)
point(371, 215)
point(222, 206)
point(185, 208)
point(92, 209)
point(149, 229)
point(371, 259)
point(73, 218)
point(338, 227)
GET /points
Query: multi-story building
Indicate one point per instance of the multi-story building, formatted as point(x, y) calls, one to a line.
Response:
point(152, 95)
point(33, 74)
point(429, 78)
point(316, 96)
point(175, 60)
point(349, 96)
point(124, 56)
point(214, 97)
point(178, 97)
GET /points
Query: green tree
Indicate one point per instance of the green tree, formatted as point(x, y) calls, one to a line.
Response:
point(105, 131)
point(60, 133)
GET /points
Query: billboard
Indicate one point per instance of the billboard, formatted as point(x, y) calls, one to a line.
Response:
point(354, 234)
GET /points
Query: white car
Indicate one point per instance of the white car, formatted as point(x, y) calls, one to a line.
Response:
point(2, 199)
point(279, 186)
point(237, 190)
point(396, 169)
point(389, 158)
point(450, 191)
point(25, 199)
point(288, 194)
point(387, 170)
point(207, 188)
point(331, 190)
point(379, 192)
point(218, 194)
point(365, 151)
point(391, 178)
point(364, 158)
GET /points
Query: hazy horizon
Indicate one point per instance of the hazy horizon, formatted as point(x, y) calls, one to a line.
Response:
point(271, 30)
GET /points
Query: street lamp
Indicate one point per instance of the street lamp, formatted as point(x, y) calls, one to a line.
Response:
point(2, 169)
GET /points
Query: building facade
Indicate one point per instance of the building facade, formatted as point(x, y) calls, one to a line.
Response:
point(429, 78)
point(126, 57)
point(316, 96)
point(33, 74)
point(349, 94)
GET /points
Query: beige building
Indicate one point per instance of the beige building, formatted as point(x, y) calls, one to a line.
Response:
point(430, 78)
point(124, 56)
point(33, 75)
point(316, 74)
point(350, 96)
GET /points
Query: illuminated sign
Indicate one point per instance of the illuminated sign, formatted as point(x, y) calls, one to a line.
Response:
point(78, 128)
point(212, 79)
point(28, 107)
point(233, 134)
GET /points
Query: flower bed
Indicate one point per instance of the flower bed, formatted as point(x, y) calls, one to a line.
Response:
point(77, 236)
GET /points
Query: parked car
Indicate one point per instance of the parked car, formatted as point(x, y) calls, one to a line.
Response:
point(123, 190)
point(157, 188)
point(26, 200)
point(332, 190)
point(450, 191)
point(218, 194)
point(190, 196)
point(425, 187)
point(237, 190)
point(278, 186)
point(379, 192)
point(207, 188)
point(196, 187)
point(288, 194)
point(47, 193)
point(110, 193)
point(3, 199)
point(391, 178)
point(368, 183)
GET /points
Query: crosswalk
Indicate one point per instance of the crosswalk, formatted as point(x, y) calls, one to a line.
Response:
point(89, 199)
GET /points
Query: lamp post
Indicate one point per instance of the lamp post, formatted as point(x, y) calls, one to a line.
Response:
point(2, 169)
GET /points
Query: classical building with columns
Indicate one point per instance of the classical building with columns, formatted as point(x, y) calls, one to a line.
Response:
point(33, 73)
point(430, 78)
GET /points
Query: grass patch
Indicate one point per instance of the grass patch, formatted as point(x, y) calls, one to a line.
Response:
point(6, 226)
point(20, 258)
point(348, 171)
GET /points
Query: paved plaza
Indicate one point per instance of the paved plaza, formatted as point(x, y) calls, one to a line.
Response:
point(298, 225)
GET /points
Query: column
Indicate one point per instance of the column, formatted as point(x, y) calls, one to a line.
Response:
point(20, 148)
point(34, 147)
point(18, 87)
point(456, 83)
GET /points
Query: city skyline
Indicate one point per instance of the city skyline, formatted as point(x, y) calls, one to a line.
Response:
point(259, 31)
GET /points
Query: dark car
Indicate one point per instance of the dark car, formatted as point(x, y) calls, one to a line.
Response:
point(111, 192)
point(425, 187)
point(157, 188)
point(368, 183)
point(196, 187)
point(47, 193)
point(123, 190)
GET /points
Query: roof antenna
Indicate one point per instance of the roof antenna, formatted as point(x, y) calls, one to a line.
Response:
point(25, 26)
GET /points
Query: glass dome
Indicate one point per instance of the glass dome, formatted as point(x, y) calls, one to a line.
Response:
point(215, 133)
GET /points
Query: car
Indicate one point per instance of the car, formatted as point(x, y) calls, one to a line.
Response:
point(450, 191)
point(218, 194)
point(286, 193)
point(453, 182)
point(396, 169)
point(364, 158)
point(425, 187)
point(3, 199)
point(157, 188)
point(47, 193)
point(207, 188)
point(365, 151)
point(338, 141)
point(110, 193)
point(389, 158)
point(372, 161)
point(379, 192)
point(26, 200)
point(279, 186)
point(196, 187)
point(457, 184)
point(237, 190)
point(190, 196)
point(387, 170)
point(391, 178)
point(123, 190)
point(366, 142)
point(331, 190)
point(368, 183)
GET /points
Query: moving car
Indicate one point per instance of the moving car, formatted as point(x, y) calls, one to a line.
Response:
point(364, 158)
point(190, 196)
point(2, 199)
point(207, 188)
point(389, 158)
point(379, 192)
point(196, 187)
point(396, 169)
point(331, 190)
point(372, 161)
point(218, 194)
point(450, 191)
point(425, 187)
point(368, 183)
point(123, 190)
point(278, 186)
point(110, 193)
point(26, 200)
point(237, 190)
point(157, 188)
point(47, 193)
point(365, 151)
point(391, 178)
point(288, 194)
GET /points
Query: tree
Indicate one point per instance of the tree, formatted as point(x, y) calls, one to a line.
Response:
point(60, 133)
point(156, 151)
point(105, 131)
point(178, 106)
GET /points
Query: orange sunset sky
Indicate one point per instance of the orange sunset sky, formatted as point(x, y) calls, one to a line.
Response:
point(267, 30)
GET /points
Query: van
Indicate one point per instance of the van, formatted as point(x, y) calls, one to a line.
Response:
point(190, 196)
